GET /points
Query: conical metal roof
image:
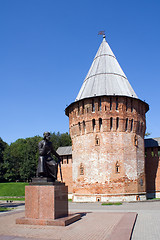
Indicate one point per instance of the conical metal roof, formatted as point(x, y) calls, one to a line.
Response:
point(105, 76)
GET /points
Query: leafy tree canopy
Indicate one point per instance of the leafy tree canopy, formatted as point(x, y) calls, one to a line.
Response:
point(60, 140)
point(21, 157)
point(3, 145)
point(147, 134)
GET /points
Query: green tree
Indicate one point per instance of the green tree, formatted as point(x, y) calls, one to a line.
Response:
point(29, 166)
point(20, 159)
point(55, 139)
point(12, 160)
point(3, 145)
point(65, 140)
point(60, 140)
point(147, 134)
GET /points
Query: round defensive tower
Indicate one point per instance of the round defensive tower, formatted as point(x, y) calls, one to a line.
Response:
point(107, 126)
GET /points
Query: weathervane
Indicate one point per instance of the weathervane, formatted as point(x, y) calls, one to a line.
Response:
point(102, 33)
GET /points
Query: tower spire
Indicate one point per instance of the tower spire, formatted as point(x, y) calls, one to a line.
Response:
point(105, 76)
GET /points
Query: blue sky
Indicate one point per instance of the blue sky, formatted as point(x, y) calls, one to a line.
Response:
point(47, 47)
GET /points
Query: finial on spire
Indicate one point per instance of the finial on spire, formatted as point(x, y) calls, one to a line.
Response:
point(102, 33)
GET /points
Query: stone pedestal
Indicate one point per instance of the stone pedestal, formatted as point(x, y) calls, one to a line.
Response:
point(46, 203)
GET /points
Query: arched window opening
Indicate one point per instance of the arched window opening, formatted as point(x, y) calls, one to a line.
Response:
point(117, 167)
point(126, 127)
point(84, 126)
point(131, 125)
point(141, 182)
point(111, 123)
point(93, 106)
point(135, 141)
point(81, 169)
point(100, 123)
point(110, 103)
point(97, 141)
point(117, 123)
point(116, 103)
point(105, 108)
point(93, 124)
point(79, 125)
point(99, 104)
point(98, 199)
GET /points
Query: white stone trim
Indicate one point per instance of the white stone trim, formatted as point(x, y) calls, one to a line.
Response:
point(126, 197)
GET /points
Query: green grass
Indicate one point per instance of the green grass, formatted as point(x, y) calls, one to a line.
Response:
point(12, 189)
point(69, 200)
point(12, 199)
point(4, 209)
point(112, 203)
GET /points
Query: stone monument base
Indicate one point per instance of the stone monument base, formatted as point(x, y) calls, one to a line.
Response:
point(46, 203)
point(50, 222)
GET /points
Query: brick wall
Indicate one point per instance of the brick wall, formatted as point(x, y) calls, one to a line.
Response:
point(152, 170)
point(66, 167)
point(108, 145)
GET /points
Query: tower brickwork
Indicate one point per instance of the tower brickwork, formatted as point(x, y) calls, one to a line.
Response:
point(107, 131)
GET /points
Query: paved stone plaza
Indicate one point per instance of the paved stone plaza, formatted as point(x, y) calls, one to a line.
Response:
point(148, 220)
point(97, 223)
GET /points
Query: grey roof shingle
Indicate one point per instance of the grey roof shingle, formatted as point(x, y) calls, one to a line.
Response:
point(152, 142)
point(105, 76)
point(62, 151)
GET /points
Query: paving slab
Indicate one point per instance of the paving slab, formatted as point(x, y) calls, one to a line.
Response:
point(19, 238)
point(92, 226)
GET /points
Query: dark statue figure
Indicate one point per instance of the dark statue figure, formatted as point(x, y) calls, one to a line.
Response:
point(47, 166)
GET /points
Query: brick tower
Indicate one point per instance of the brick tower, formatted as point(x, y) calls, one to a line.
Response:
point(107, 126)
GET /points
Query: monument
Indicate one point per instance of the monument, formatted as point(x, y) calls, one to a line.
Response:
point(46, 199)
point(47, 166)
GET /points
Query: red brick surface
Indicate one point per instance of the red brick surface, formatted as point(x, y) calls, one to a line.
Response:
point(67, 174)
point(119, 144)
point(152, 170)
